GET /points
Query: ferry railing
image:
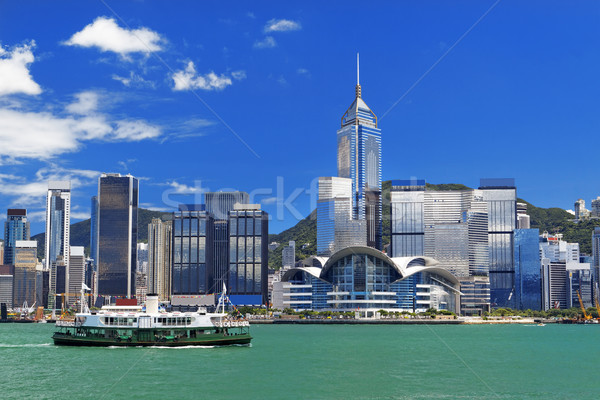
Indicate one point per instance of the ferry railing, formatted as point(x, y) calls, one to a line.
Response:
point(65, 323)
point(231, 323)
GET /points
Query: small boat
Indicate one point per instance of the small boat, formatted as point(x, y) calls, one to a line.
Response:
point(541, 324)
point(133, 326)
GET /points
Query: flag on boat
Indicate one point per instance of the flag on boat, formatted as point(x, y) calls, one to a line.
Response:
point(85, 287)
point(224, 289)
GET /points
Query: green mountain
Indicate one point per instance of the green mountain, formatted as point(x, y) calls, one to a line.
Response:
point(80, 231)
point(556, 220)
point(304, 233)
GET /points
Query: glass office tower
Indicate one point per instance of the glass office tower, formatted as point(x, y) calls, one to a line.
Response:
point(501, 197)
point(336, 228)
point(359, 159)
point(528, 279)
point(248, 255)
point(16, 227)
point(117, 234)
point(94, 230)
point(58, 224)
point(218, 204)
point(191, 251)
point(25, 261)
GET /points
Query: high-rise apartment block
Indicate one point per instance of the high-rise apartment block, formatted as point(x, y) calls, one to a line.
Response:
point(159, 258)
point(288, 255)
point(117, 234)
point(595, 212)
point(75, 275)
point(16, 227)
point(563, 274)
point(580, 211)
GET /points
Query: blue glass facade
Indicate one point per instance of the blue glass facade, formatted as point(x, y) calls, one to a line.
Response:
point(247, 273)
point(94, 230)
point(528, 279)
point(16, 227)
point(117, 234)
point(190, 235)
point(501, 198)
point(359, 158)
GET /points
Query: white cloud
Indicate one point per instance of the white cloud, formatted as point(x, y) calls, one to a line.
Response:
point(105, 34)
point(31, 193)
point(86, 103)
point(269, 200)
point(282, 25)
point(134, 80)
point(266, 43)
point(14, 71)
point(303, 71)
point(44, 135)
point(36, 135)
point(80, 214)
point(182, 188)
point(189, 79)
point(134, 131)
point(238, 75)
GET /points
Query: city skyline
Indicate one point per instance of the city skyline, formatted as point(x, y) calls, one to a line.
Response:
point(97, 106)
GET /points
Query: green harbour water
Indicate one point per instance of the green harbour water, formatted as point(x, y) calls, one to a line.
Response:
point(315, 362)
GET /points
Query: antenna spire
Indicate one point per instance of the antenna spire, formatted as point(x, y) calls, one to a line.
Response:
point(357, 70)
point(358, 91)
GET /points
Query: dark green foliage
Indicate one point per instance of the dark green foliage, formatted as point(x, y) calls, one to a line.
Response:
point(80, 231)
point(303, 232)
point(557, 220)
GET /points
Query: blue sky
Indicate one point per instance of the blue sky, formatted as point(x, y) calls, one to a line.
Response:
point(193, 96)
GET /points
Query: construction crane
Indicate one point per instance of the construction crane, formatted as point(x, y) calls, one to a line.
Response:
point(586, 316)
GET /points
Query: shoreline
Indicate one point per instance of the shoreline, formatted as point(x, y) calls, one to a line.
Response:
point(524, 321)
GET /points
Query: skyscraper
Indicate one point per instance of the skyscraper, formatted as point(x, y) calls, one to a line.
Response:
point(58, 223)
point(596, 257)
point(246, 276)
point(288, 255)
point(159, 258)
point(75, 273)
point(191, 252)
point(449, 226)
point(94, 230)
point(25, 261)
point(336, 227)
point(117, 234)
point(16, 228)
point(501, 198)
point(218, 204)
point(359, 159)
point(528, 279)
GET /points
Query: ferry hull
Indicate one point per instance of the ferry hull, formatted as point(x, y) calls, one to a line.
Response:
point(68, 340)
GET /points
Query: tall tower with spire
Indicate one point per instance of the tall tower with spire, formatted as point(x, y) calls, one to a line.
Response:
point(359, 158)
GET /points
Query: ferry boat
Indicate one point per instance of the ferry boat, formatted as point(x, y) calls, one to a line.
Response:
point(133, 326)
